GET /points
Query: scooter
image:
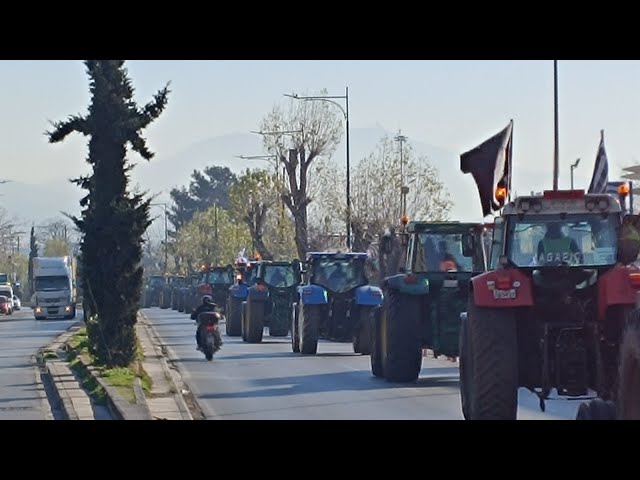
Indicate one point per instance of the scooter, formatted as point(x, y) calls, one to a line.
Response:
point(210, 338)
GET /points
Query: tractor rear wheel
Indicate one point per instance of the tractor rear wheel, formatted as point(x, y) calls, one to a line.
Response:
point(401, 337)
point(295, 330)
point(597, 409)
point(254, 322)
point(494, 363)
point(376, 343)
point(234, 319)
point(310, 328)
point(465, 368)
point(629, 372)
point(362, 336)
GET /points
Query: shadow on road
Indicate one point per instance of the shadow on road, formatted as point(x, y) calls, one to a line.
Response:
point(340, 381)
point(18, 399)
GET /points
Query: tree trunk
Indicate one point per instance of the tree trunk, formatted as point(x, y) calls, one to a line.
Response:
point(255, 221)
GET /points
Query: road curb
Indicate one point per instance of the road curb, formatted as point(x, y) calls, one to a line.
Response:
point(171, 372)
point(119, 407)
point(59, 372)
point(61, 398)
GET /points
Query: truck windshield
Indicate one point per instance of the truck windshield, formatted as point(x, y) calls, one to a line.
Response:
point(58, 282)
point(4, 278)
point(436, 252)
point(339, 275)
point(579, 239)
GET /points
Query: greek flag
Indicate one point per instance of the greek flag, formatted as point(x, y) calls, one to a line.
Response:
point(612, 187)
point(600, 177)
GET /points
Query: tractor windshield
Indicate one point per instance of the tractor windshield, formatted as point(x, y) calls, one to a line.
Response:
point(339, 275)
point(249, 275)
point(576, 239)
point(220, 276)
point(440, 252)
point(280, 276)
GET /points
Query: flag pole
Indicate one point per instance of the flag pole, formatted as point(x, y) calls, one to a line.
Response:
point(555, 114)
point(510, 163)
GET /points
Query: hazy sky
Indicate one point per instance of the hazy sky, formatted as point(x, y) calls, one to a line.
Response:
point(451, 104)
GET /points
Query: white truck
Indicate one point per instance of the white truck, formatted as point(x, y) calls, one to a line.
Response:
point(54, 288)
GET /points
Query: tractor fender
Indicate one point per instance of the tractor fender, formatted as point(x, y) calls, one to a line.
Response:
point(258, 293)
point(312, 295)
point(368, 295)
point(239, 291)
point(618, 286)
point(408, 284)
point(502, 288)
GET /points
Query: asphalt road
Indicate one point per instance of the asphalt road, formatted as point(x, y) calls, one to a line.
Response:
point(268, 381)
point(20, 338)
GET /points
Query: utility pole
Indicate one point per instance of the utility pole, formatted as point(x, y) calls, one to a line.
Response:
point(215, 220)
point(403, 190)
point(166, 234)
point(573, 167)
point(556, 166)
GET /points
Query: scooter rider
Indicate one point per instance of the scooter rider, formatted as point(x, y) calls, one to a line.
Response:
point(207, 305)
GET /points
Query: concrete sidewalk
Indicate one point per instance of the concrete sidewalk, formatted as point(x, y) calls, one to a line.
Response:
point(164, 402)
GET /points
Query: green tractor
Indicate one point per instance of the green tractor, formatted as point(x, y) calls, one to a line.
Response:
point(270, 300)
point(423, 303)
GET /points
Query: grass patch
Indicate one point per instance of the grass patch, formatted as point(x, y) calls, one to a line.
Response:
point(49, 354)
point(120, 378)
point(88, 383)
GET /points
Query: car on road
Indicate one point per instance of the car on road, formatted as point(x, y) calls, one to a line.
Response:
point(6, 305)
point(17, 304)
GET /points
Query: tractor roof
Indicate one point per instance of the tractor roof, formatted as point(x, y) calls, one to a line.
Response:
point(338, 255)
point(442, 227)
point(277, 262)
point(553, 202)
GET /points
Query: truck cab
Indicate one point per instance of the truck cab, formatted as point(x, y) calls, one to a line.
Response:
point(54, 288)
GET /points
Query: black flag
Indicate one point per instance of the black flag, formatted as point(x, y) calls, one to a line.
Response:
point(490, 165)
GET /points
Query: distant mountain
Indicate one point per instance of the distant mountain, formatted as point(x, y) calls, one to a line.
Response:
point(37, 203)
point(162, 174)
point(40, 202)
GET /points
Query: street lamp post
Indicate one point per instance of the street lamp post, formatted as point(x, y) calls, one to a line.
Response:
point(403, 190)
point(166, 234)
point(573, 167)
point(279, 133)
point(345, 112)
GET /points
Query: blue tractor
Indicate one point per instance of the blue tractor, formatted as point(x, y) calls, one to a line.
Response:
point(245, 278)
point(335, 303)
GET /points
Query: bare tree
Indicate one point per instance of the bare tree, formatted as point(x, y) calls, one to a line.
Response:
point(376, 192)
point(321, 132)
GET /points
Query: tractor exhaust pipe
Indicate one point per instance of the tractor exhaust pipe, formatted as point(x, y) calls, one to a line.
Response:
point(555, 112)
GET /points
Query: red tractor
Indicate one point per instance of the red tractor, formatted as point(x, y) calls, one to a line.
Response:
point(556, 308)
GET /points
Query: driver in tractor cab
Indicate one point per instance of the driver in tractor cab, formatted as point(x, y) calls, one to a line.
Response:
point(601, 235)
point(277, 278)
point(338, 276)
point(556, 248)
point(448, 262)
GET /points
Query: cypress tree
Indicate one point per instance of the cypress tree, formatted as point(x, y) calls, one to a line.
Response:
point(113, 220)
